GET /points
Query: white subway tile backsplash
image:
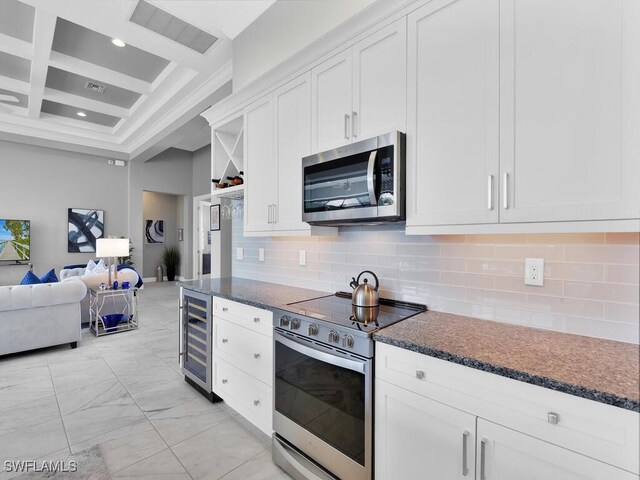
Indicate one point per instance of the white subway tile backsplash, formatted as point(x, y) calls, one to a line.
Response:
point(590, 286)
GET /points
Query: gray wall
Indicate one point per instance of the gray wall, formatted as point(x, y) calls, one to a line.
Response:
point(40, 184)
point(169, 172)
point(202, 171)
point(159, 206)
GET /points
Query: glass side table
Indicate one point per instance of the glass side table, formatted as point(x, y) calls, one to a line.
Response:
point(105, 306)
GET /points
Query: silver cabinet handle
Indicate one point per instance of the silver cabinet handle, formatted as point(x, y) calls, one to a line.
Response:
point(256, 319)
point(256, 355)
point(268, 213)
point(354, 124)
point(490, 192)
point(225, 309)
point(256, 402)
point(465, 469)
point(224, 380)
point(505, 191)
point(419, 374)
point(553, 417)
point(225, 340)
point(275, 213)
point(483, 448)
point(346, 126)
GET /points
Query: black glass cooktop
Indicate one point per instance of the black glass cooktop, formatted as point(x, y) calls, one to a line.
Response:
point(338, 309)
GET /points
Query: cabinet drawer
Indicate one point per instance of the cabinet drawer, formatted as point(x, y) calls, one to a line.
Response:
point(248, 350)
point(244, 315)
point(248, 396)
point(600, 431)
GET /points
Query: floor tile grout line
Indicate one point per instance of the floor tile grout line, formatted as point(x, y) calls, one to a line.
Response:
point(55, 392)
point(241, 465)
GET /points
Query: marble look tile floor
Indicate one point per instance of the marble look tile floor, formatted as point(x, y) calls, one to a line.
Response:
point(125, 394)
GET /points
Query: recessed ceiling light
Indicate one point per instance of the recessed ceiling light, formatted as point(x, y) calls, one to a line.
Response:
point(81, 114)
point(117, 42)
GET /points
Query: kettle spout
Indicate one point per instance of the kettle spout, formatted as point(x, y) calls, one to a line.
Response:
point(353, 283)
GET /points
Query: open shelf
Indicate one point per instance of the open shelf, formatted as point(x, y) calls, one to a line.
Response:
point(227, 151)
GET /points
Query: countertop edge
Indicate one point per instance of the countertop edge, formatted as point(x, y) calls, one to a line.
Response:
point(544, 382)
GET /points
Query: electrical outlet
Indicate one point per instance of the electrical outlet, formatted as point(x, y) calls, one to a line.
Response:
point(534, 271)
point(261, 254)
point(239, 253)
point(302, 257)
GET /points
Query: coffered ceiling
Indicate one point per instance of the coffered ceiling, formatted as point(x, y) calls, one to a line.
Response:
point(65, 82)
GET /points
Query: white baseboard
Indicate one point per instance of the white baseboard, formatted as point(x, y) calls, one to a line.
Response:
point(164, 279)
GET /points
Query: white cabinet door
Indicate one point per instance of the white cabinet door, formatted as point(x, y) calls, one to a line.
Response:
point(260, 167)
point(453, 113)
point(416, 437)
point(292, 105)
point(380, 82)
point(505, 454)
point(331, 102)
point(570, 106)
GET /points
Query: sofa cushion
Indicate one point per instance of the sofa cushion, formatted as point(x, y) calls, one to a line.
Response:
point(49, 277)
point(30, 279)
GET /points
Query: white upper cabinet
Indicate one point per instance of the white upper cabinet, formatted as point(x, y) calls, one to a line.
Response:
point(570, 101)
point(260, 167)
point(361, 92)
point(453, 113)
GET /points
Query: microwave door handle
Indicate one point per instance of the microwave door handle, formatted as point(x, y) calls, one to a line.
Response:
point(370, 183)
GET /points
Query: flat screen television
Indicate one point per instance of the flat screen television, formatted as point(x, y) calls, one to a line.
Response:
point(15, 240)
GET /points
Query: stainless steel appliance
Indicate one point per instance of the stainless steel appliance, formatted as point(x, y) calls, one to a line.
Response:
point(364, 295)
point(360, 182)
point(195, 341)
point(323, 386)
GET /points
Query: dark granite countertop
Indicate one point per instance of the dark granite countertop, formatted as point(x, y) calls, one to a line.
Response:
point(592, 368)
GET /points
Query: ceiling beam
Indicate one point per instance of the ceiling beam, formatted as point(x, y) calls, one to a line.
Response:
point(100, 74)
point(84, 103)
point(15, 46)
point(43, 28)
point(14, 85)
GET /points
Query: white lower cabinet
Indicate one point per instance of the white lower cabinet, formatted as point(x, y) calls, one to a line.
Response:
point(505, 454)
point(243, 361)
point(438, 420)
point(420, 438)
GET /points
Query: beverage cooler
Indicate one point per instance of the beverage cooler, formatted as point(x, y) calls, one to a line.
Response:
point(196, 329)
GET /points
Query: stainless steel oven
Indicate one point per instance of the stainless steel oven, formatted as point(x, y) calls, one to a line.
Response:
point(360, 182)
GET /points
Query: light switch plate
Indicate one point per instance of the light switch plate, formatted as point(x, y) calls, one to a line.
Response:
point(303, 257)
point(239, 253)
point(534, 271)
point(261, 254)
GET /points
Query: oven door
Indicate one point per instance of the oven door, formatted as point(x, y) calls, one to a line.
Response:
point(323, 404)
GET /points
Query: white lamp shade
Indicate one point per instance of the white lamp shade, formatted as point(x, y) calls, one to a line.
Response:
point(112, 247)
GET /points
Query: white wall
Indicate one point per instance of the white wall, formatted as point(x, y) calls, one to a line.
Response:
point(283, 30)
point(591, 280)
point(40, 184)
point(160, 206)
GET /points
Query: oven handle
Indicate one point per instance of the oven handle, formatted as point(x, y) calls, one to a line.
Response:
point(321, 355)
point(370, 183)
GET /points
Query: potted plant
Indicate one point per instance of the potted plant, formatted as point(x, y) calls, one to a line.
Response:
point(171, 260)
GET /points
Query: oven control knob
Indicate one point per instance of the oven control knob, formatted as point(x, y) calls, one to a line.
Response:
point(284, 320)
point(334, 337)
point(347, 341)
point(312, 330)
point(294, 324)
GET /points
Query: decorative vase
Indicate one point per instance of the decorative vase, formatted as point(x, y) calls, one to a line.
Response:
point(159, 274)
point(171, 273)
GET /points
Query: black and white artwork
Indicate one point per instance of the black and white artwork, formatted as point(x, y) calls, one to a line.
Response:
point(85, 227)
point(154, 231)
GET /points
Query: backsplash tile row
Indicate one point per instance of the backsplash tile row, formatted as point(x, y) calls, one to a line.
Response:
point(590, 285)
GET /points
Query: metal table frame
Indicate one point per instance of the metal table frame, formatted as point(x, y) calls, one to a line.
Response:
point(99, 303)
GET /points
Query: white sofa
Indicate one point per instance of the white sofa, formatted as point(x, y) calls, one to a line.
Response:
point(37, 316)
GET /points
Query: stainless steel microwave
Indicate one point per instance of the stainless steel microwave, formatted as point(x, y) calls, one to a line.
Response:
point(359, 183)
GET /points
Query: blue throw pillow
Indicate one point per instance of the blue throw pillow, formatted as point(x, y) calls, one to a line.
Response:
point(30, 279)
point(49, 277)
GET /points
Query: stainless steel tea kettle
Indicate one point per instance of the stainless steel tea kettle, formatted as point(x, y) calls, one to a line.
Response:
point(364, 295)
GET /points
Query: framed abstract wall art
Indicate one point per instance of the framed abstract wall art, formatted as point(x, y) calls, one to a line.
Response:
point(85, 226)
point(154, 232)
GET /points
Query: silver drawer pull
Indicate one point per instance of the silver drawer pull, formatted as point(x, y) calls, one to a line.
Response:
point(483, 453)
point(225, 309)
point(256, 355)
point(224, 380)
point(225, 340)
point(465, 469)
point(553, 417)
point(256, 402)
point(419, 374)
point(256, 319)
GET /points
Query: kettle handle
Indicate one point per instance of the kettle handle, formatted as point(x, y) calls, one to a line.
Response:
point(374, 276)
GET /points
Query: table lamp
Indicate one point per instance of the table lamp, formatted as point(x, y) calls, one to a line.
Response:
point(112, 247)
